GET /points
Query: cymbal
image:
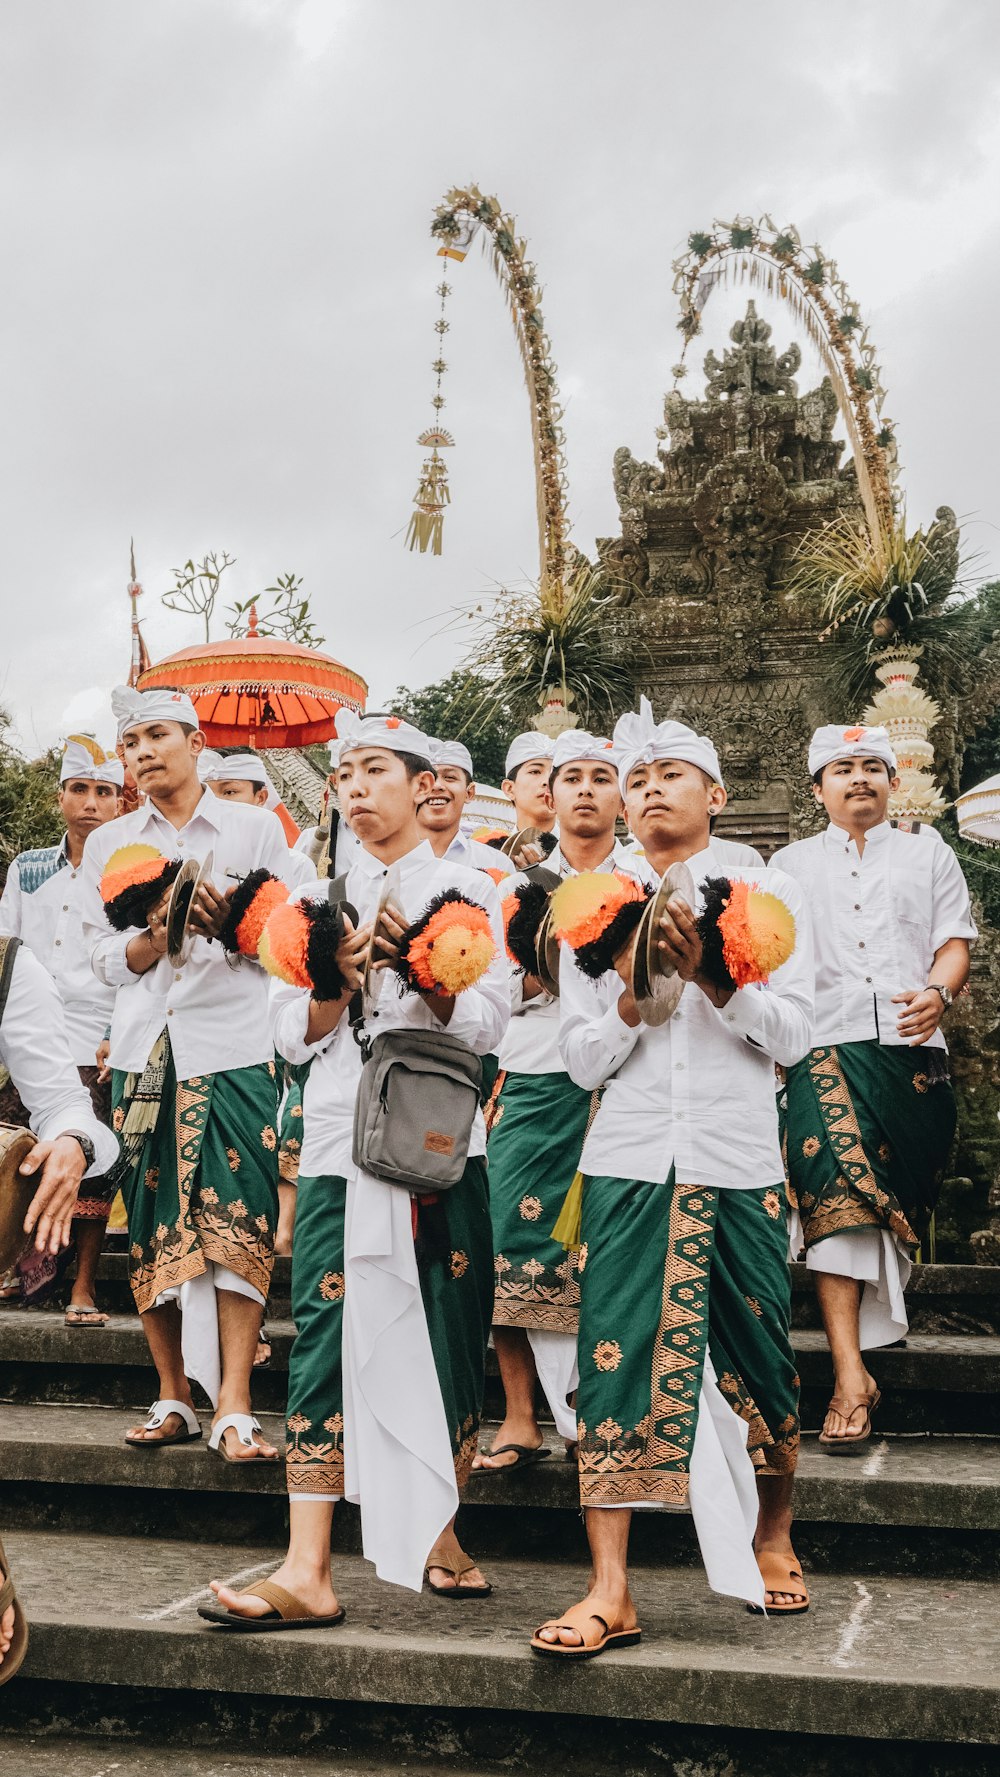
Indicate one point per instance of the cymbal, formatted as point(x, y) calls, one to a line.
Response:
point(656, 985)
point(372, 978)
point(16, 1192)
point(514, 846)
point(187, 882)
point(547, 954)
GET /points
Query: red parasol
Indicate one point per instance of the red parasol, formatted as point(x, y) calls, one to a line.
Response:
point(260, 691)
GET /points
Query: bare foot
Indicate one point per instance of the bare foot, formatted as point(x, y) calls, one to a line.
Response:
point(586, 1623)
point(314, 1590)
point(525, 1432)
point(6, 1632)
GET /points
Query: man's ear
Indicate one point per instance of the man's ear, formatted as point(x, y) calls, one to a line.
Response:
point(470, 792)
point(717, 799)
point(198, 742)
point(260, 795)
point(508, 786)
point(423, 784)
point(894, 783)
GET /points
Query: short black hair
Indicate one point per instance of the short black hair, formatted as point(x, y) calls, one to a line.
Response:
point(414, 764)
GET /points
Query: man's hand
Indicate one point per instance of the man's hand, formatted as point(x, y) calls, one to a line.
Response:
point(351, 953)
point(679, 943)
point(101, 1058)
point(50, 1212)
point(157, 922)
point(628, 1011)
point(391, 932)
point(923, 1014)
point(531, 987)
point(527, 856)
point(210, 910)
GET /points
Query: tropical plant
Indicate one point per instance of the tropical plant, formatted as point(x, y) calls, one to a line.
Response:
point(196, 586)
point(289, 617)
point(554, 640)
point(29, 813)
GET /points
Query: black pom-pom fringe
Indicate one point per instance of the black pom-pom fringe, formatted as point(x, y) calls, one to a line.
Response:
point(716, 891)
point(532, 899)
point(243, 895)
point(596, 958)
point(131, 907)
point(326, 929)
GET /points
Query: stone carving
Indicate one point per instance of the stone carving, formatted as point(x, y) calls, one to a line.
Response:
point(703, 556)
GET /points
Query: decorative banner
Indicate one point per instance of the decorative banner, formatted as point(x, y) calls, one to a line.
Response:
point(457, 245)
point(432, 495)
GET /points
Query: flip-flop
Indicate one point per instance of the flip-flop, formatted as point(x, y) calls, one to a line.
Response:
point(527, 1455)
point(457, 1565)
point(159, 1413)
point(838, 1446)
point(84, 1317)
point(612, 1637)
point(244, 1425)
point(778, 1573)
point(287, 1612)
point(14, 1657)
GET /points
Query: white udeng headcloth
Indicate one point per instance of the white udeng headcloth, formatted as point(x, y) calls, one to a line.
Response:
point(391, 732)
point(131, 708)
point(576, 744)
point(834, 742)
point(530, 745)
point(639, 739)
point(242, 767)
point(84, 758)
point(451, 752)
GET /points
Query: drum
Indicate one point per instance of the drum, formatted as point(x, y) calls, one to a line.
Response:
point(16, 1192)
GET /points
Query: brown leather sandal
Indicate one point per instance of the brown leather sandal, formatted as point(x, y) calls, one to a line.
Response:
point(13, 1659)
point(781, 1574)
point(457, 1564)
point(286, 1612)
point(837, 1446)
point(614, 1635)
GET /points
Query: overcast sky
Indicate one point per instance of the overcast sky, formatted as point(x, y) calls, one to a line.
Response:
point(218, 283)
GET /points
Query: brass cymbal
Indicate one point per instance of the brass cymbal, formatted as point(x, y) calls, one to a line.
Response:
point(372, 978)
point(547, 954)
point(514, 847)
point(187, 882)
point(656, 985)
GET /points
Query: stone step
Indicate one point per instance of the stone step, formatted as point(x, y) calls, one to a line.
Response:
point(941, 1298)
point(898, 1661)
point(908, 1503)
point(935, 1382)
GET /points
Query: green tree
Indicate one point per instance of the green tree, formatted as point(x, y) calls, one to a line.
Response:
point(289, 617)
point(29, 814)
point(196, 586)
point(462, 707)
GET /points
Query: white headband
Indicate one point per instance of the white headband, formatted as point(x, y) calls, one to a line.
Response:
point(523, 747)
point(239, 768)
point(132, 708)
point(832, 742)
point(390, 732)
point(451, 752)
point(576, 744)
point(639, 739)
point(84, 758)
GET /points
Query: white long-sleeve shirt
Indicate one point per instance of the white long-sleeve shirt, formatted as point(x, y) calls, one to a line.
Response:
point(479, 1018)
point(34, 1049)
point(879, 917)
point(48, 917)
point(531, 1045)
point(215, 1012)
point(697, 1092)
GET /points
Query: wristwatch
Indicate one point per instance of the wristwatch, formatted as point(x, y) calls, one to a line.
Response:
point(945, 992)
point(89, 1151)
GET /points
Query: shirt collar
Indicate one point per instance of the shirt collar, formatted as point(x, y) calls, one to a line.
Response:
point(208, 809)
point(841, 840)
point(420, 855)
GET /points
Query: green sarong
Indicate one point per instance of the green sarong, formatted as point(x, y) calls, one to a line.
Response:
point(457, 1293)
point(290, 1125)
point(868, 1133)
point(314, 1454)
point(666, 1270)
point(203, 1189)
point(536, 1137)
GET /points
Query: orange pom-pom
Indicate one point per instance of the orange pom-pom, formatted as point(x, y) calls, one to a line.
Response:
point(284, 944)
point(758, 933)
point(454, 949)
point(497, 876)
point(584, 906)
point(250, 929)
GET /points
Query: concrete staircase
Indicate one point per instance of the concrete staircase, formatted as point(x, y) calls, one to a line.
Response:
point(896, 1668)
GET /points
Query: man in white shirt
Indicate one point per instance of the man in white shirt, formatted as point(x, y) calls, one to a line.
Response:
point(688, 1386)
point(391, 1324)
point(194, 1082)
point(539, 1120)
point(871, 1113)
point(528, 768)
point(440, 814)
point(41, 906)
point(238, 776)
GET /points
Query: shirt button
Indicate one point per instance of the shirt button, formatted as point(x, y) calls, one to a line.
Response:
point(868, 980)
point(58, 942)
point(679, 1065)
point(170, 1011)
point(65, 906)
point(861, 944)
point(857, 906)
point(854, 873)
point(177, 977)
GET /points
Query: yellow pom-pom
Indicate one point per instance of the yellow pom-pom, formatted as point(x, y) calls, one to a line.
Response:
point(758, 933)
point(461, 958)
point(131, 857)
point(583, 906)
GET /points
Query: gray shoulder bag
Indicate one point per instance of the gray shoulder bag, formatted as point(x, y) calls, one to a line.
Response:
point(416, 1105)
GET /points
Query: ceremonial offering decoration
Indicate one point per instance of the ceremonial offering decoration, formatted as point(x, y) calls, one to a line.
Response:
point(299, 945)
point(978, 813)
point(746, 933)
point(746, 251)
point(909, 715)
point(450, 947)
point(251, 905)
point(523, 910)
point(596, 913)
point(135, 878)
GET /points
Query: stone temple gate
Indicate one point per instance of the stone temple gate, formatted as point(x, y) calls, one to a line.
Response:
point(707, 539)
